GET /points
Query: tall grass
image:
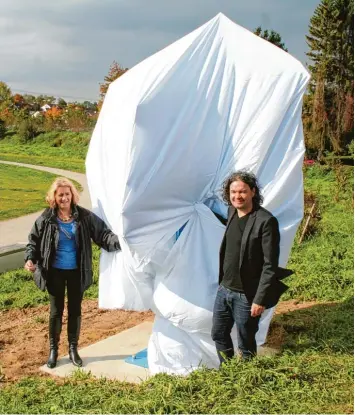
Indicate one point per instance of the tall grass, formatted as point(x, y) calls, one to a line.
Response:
point(66, 150)
point(312, 374)
point(324, 264)
point(311, 382)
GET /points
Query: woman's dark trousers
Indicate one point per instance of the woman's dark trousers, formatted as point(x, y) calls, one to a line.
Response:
point(233, 308)
point(57, 280)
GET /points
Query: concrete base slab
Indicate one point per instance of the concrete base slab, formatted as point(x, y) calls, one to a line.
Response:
point(12, 257)
point(106, 357)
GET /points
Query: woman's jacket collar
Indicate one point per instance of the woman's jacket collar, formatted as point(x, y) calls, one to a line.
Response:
point(51, 213)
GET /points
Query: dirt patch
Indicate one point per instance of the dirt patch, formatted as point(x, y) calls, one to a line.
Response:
point(24, 335)
point(277, 332)
point(293, 305)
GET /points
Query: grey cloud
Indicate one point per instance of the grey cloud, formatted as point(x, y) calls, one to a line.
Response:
point(68, 46)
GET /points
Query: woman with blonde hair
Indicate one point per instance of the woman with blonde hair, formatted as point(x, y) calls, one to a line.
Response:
point(59, 254)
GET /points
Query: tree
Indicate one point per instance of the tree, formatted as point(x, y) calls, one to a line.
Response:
point(6, 103)
point(31, 103)
point(331, 51)
point(18, 101)
point(2, 129)
point(52, 119)
point(61, 103)
point(75, 118)
point(5, 93)
point(114, 72)
point(89, 106)
point(45, 99)
point(54, 112)
point(272, 37)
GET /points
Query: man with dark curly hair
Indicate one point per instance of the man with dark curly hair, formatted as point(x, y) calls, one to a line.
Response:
point(248, 269)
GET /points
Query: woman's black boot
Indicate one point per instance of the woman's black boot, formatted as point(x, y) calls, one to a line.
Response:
point(52, 359)
point(74, 356)
point(74, 324)
point(55, 328)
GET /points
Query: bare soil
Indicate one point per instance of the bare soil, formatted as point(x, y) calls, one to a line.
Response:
point(24, 334)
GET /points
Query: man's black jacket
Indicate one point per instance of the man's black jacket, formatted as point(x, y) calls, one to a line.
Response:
point(44, 236)
point(259, 258)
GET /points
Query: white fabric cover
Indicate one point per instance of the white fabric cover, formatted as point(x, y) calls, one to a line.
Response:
point(170, 130)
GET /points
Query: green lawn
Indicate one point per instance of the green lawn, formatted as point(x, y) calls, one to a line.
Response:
point(23, 190)
point(65, 150)
point(312, 374)
point(55, 160)
point(316, 380)
point(324, 264)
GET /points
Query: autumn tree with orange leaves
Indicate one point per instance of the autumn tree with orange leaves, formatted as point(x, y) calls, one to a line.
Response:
point(53, 118)
point(115, 71)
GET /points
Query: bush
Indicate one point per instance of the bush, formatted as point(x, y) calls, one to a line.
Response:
point(27, 130)
point(351, 148)
point(2, 129)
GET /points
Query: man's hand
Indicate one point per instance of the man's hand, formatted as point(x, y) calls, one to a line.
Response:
point(256, 310)
point(30, 266)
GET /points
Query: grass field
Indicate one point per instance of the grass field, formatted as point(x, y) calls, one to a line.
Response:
point(54, 160)
point(309, 382)
point(313, 374)
point(65, 150)
point(324, 264)
point(23, 190)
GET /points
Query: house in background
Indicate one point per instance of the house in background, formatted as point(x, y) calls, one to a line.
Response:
point(45, 107)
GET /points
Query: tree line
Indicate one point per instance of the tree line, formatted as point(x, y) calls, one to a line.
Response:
point(328, 109)
point(30, 115)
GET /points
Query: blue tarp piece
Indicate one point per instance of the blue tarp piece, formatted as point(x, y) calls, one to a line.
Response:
point(178, 233)
point(138, 359)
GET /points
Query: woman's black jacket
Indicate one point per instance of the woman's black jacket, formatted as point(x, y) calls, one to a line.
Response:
point(44, 236)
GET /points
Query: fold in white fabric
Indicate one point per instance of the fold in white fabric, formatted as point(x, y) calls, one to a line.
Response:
point(170, 131)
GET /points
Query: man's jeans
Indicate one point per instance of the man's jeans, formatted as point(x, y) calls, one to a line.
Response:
point(233, 307)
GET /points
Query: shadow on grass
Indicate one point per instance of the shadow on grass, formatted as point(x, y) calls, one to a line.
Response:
point(320, 327)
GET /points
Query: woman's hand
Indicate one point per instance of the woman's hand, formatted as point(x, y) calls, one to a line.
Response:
point(30, 266)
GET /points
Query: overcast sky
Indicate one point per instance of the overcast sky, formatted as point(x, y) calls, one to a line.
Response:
point(65, 48)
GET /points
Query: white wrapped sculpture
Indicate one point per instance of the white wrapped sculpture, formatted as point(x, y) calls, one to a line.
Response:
point(169, 132)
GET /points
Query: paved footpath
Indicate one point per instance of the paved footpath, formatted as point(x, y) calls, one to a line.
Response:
point(14, 231)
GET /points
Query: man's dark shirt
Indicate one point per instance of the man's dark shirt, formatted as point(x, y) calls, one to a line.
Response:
point(231, 275)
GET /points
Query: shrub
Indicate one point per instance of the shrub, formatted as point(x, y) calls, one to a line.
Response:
point(27, 129)
point(2, 129)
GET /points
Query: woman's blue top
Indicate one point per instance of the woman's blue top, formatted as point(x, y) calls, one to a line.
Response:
point(65, 256)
